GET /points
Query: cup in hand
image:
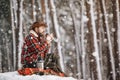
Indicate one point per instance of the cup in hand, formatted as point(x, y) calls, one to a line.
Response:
point(49, 37)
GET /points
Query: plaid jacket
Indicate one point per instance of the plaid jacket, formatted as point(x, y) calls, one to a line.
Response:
point(33, 47)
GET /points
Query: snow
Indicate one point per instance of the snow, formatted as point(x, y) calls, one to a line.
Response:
point(85, 18)
point(15, 76)
point(113, 30)
point(95, 54)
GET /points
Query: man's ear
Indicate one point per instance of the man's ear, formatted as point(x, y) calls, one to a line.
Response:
point(36, 29)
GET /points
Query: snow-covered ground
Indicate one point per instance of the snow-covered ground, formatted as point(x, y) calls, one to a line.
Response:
point(16, 76)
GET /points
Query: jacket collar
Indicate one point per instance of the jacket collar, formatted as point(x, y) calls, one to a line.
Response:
point(34, 33)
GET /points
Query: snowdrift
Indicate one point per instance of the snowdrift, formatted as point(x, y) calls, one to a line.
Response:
point(16, 76)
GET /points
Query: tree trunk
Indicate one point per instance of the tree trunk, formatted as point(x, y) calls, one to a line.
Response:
point(107, 35)
point(33, 11)
point(0, 60)
point(56, 27)
point(43, 9)
point(20, 35)
point(115, 38)
point(77, 41)
point(90, 45)
point(96, 51)
point(13, 33)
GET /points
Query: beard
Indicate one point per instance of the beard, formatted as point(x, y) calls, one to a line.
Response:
point(41, 32)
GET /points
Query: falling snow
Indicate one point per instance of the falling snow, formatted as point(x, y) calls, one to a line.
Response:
point(85, 37)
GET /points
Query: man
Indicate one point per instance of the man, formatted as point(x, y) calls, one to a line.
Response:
point(36, 44)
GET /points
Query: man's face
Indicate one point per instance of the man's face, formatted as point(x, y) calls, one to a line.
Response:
point(41, 29)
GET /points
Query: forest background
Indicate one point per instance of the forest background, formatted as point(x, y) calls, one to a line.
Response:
point(87, 34)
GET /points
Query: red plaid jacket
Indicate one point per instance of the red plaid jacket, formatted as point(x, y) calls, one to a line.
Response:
point(33, 47)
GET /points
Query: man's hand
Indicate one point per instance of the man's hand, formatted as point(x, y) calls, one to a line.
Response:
point(49, 37)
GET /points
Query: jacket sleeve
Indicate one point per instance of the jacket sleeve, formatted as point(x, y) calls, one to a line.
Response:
point(41, 47)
